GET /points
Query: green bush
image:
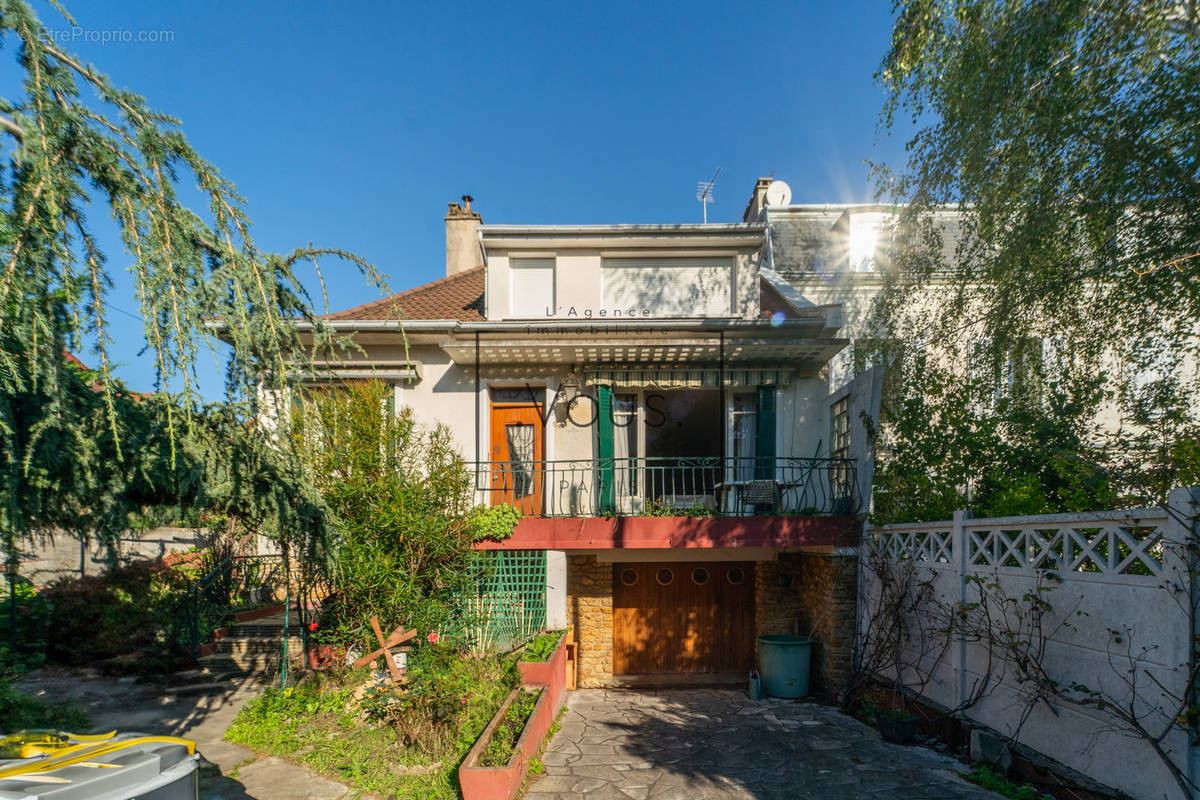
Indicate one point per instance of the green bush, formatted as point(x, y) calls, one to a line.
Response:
point(401, 496)
point(19, 712)
point(993, 781)
point(23, 644)
point(541, 648)
point(135, 612)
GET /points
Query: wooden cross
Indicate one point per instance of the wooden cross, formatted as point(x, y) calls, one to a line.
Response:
point(398, 636)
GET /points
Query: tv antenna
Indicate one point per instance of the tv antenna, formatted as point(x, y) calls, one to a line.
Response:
point(704, 192)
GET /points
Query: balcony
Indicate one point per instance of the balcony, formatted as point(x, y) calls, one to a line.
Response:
point(671, 487)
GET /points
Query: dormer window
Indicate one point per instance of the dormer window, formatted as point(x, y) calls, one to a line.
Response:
point(864, 242)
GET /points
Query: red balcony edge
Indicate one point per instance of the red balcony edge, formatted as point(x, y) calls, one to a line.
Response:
point(607, 533)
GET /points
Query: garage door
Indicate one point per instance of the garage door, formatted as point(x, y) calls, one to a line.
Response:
point(683, 617)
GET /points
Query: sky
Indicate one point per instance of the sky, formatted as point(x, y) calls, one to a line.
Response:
point(352, 125)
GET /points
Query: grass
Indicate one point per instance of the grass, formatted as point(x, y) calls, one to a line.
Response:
point(371, 745)
point(20, 712)
point(987, 778)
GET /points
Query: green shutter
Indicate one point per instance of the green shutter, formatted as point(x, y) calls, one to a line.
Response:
point(764, 435)
point(605, 489)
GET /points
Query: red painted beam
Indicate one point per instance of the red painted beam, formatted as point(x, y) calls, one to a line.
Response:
point(605, 533)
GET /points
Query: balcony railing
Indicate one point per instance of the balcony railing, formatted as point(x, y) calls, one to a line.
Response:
point(701, 486)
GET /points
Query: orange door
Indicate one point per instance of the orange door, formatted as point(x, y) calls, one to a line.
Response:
point(518, 470)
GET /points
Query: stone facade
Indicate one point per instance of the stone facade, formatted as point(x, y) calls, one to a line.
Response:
point(589, 609)
point(821, 597)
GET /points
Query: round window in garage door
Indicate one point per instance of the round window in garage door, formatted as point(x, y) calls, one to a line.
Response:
point(735, 575)
point(665, 576)
point(629, 576)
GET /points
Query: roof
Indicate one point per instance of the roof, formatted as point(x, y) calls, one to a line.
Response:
point(457, 297)
point(771, 302)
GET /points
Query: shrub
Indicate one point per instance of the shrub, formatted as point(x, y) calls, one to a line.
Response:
point(18, 712)
point(541, 648)
point(401, 496)
point(23, 645)
point(432, 709)
point(135, 612)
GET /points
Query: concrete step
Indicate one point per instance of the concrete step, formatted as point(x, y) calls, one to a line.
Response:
point(258, 644)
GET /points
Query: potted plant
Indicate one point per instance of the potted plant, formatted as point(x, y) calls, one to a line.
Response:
point(547, 662)
point(897, 726)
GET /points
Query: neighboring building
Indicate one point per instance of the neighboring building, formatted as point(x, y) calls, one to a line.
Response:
point(659, 411)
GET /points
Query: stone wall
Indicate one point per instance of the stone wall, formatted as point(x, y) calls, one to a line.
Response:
point(589, 609)
point(60, 555)
point(820, 597)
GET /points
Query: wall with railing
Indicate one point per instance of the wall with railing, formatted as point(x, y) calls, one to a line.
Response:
point(1064, 632)
point(701, 486)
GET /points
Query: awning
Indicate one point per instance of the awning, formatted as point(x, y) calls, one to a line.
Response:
point(686, 378)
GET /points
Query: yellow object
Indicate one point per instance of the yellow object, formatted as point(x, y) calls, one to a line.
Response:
point(62, 749)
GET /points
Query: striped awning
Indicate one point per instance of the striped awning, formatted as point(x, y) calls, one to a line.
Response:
point(686, 378)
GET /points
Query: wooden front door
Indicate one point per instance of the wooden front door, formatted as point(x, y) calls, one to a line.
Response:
point(683, 617)
point(518, 469)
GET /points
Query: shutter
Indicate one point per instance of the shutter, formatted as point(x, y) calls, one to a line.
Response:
point(605, 490)
point(764, 435)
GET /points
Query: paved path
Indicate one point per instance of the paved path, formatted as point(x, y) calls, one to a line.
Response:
point(227, 771)
point(694, 744)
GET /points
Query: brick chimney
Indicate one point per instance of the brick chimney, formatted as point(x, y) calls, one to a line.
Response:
point(462, 237)
point(758, 200)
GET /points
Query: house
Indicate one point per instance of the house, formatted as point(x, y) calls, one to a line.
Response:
point(657, 409)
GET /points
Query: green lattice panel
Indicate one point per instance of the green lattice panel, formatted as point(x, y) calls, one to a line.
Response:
point(509, 605)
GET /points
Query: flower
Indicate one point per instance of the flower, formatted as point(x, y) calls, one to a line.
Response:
point(432, 638)
point(312, 626)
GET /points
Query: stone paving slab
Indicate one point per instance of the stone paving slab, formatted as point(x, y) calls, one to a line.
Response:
point(696, 744)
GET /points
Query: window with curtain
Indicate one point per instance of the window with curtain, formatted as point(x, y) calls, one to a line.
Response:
point(625, 442)
point(520, 457)
point(532, 283)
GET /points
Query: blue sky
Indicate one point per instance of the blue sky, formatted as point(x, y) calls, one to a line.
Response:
point(352, 125)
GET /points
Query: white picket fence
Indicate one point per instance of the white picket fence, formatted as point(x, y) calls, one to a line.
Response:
point(1122, 588)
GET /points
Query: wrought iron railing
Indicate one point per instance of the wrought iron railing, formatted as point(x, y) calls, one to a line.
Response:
point(235, 582)
point(700, 486)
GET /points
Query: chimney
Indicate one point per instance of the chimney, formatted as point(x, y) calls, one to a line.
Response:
point(758, 200)
point(462, 237)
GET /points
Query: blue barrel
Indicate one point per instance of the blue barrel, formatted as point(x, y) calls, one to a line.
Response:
point(784, 664)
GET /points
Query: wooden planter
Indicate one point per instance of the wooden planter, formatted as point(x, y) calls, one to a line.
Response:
point(556, 674)
point(503, 783)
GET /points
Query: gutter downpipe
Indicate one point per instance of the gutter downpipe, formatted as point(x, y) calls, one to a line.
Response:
point(477, 431)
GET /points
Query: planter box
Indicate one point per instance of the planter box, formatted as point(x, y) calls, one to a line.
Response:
point(555, 674)
point(321, 656)
point(503, 783)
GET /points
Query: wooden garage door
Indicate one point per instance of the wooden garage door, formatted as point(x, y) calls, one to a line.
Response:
point(683, 617)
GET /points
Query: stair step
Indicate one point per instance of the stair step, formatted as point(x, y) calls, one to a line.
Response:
point(257, 629)
point(269, 646)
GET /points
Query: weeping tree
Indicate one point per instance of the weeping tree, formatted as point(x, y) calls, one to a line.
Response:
point(77, 450)
point(1066, 287)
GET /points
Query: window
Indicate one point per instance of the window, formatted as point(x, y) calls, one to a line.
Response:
point(864, 241)
point(625, 445)
point(531, 281)
point(668, 287)
point(840, 423)
point(745, 430)
point(1013, 375)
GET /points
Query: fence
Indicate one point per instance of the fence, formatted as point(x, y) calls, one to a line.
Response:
point(704, 485)
point(508, 604)
point(1063, 632)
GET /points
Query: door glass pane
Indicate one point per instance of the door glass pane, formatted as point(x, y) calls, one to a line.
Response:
point(520, 457)
point(625, 443)
point(744, 426)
